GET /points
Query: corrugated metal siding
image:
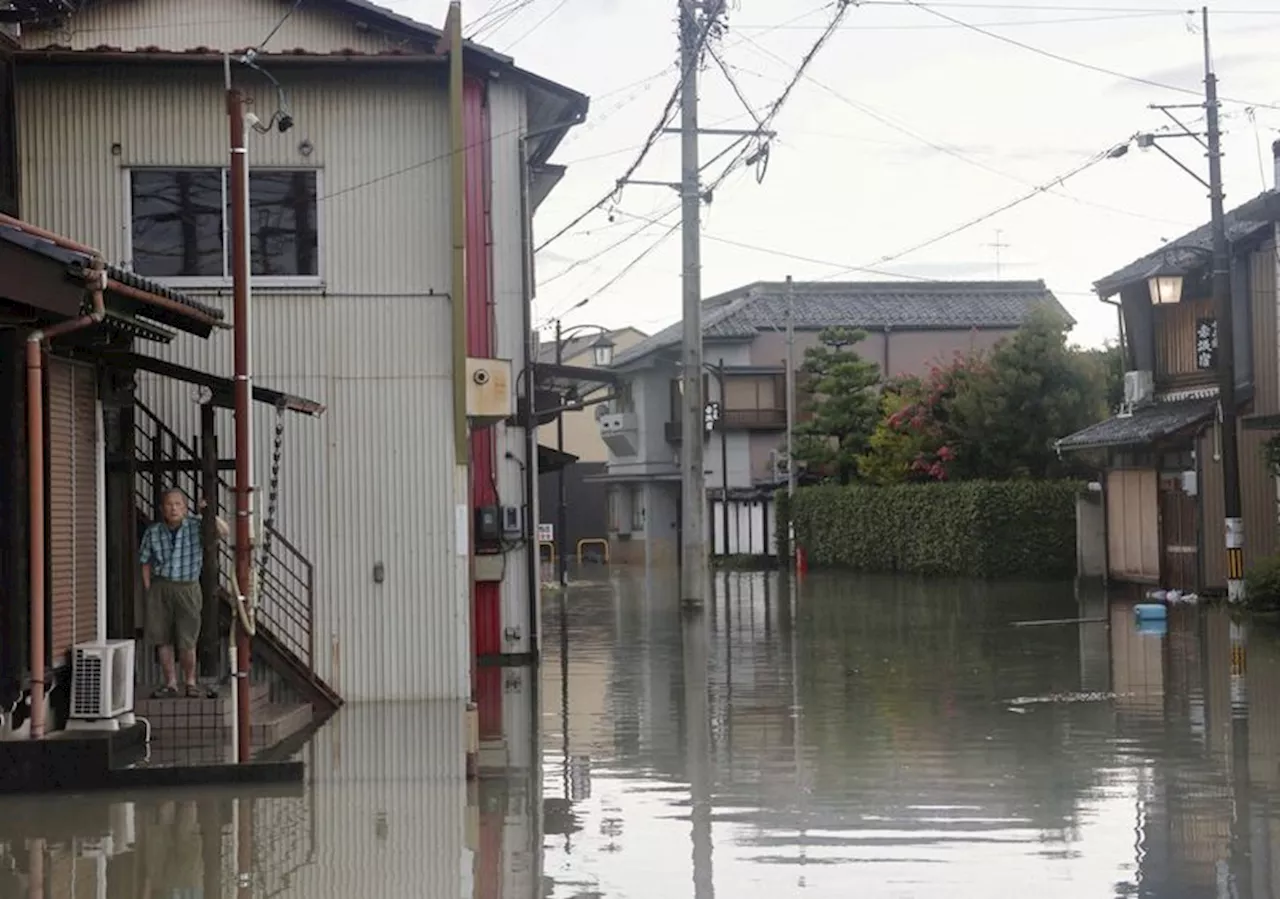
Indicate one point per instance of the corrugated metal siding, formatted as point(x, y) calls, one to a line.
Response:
point(225, 25)
point(1176, 338)
point(72, 485)
point(1266, 340)
point(507, 116)
point(374, 479)
point(390, 803)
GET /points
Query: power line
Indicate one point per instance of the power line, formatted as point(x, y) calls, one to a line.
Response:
point(1049, 54)
point(1044, 188)
point(762, 152)
point(619, 276)
point(1005, 23)
point(1037, 7)
point(538, 24)
point(272, 33)
point(663, 121)
point(888, 122)
point(587, 260)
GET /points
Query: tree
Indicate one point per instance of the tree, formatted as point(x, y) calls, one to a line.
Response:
point(916, 439)
point(843, 404)
point(1035, 390)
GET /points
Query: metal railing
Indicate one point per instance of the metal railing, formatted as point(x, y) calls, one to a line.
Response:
point(286, 576)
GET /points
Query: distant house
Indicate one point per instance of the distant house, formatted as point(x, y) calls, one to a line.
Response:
point(1163, 489)
point(586, 453)
point(909, 326)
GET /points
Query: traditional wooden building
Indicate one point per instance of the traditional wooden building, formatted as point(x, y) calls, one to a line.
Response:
point(1161, 454)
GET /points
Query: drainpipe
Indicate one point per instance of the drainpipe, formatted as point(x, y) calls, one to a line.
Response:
point(36, 485)
point(50, 236)
point(532, 550)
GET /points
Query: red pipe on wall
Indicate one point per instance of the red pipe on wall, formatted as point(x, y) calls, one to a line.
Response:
point(487, 598)
point(36, 487)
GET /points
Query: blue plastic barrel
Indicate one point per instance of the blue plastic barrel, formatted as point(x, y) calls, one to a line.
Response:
point(1150, 611)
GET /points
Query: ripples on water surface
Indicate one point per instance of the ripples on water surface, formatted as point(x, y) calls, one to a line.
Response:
point(890, 737)
point(871, 737)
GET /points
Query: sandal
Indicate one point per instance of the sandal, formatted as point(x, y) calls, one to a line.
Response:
point(165, 692)
point(192, 691)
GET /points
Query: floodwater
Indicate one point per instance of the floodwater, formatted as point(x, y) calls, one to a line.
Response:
point(860, 737)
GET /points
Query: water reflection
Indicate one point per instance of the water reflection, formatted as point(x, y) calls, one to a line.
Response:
point(863, 736)
point(898, 737)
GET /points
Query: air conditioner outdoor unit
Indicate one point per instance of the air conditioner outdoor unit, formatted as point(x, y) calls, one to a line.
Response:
point(101, 685)
point(1139, 387)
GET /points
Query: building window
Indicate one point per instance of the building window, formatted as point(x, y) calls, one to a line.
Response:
point(180, 221)
point(755, 401)
point(637, 509)
point(613, 521)
point(623, 401)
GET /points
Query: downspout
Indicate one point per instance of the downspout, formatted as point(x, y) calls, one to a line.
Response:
point(458, 183)
point(530, 413)
point(36, 478)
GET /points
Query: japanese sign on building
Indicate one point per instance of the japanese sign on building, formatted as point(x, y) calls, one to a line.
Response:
point(1206, 343)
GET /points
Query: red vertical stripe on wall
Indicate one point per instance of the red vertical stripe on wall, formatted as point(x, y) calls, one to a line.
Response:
point(487, 599)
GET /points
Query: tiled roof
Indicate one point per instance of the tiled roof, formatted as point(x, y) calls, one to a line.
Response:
point(1145, 425)
point(1190, 251)
point(37, 244)
point(575, 346)
point(873, 305)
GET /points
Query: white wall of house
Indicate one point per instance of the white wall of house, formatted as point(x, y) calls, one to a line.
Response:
point(374, 480)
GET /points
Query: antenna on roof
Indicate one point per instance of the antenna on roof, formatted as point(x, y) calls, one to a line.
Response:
point(999, 245)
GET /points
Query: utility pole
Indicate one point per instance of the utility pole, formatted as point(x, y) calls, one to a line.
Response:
point(1226, 335)
point(243, 412)
point(694, 574)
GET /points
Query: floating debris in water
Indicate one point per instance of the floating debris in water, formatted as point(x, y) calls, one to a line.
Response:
point(1064, 698)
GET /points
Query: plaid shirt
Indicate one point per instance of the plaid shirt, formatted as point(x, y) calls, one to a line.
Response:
point(174, 554)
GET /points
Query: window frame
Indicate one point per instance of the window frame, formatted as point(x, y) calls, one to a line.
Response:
point(224, 282)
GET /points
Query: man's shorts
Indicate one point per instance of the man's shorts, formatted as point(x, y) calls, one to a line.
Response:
point(173, 613)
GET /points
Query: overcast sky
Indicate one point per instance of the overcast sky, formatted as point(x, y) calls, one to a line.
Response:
point(907, 126)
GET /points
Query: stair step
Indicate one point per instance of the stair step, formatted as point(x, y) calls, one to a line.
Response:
point(186, 722)
point(280, 722)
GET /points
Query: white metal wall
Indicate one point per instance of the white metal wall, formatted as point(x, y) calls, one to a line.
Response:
point(225, 25)
point(373, 480)
point(507, 116)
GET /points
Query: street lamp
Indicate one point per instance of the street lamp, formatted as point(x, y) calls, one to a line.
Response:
point(602, 351)
point(1165, 289)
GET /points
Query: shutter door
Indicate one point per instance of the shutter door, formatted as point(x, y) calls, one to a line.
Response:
point(73, 505)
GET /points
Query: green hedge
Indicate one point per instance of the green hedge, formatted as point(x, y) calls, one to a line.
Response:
point(979, 529)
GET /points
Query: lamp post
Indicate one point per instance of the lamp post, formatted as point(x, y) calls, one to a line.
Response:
point(1166, 288)
point(602, 355)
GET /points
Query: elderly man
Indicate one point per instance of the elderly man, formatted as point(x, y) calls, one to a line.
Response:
point(172, 557)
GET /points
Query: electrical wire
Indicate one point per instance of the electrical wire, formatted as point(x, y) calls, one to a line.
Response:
point(664, 120)
point(758, 150)
point(783, 254)
point(1037, 7)
point(289, 12)
point(1005, 207)
point(616, 278)
point(890, 123)
point(587, 260)
point(733, 83)
point(1005, 23)
point(1049, 54)
point(538, 24)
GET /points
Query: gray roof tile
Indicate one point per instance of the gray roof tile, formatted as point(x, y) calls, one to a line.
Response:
point(1188, 252)
point(873, 305)
point(1145, 425)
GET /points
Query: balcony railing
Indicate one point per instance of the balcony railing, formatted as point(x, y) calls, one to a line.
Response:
point(738, 420)
point(755, 418)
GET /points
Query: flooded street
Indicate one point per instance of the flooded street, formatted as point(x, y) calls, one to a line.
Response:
point(868, 737)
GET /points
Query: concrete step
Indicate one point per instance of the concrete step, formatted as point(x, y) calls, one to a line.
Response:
point(279, 722)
